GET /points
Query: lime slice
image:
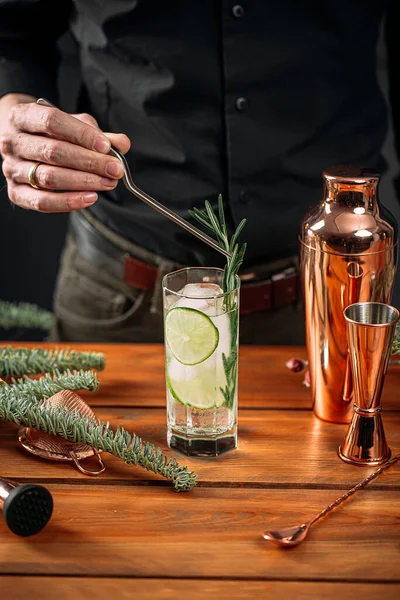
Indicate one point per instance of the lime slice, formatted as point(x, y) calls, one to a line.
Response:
point(190, 334)
point(196, 386)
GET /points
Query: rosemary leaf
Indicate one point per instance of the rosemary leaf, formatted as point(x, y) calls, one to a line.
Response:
point(201, 218)
point(222, 215)
point(237, 233)
point(242, 252)
point(213, 220)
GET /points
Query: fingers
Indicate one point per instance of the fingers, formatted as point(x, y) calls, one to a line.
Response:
point(73, 155)
point(119, 141)
point(88, 119)
point(61, 153)
point(34, 118)
point(45, 201)
point(50, 177)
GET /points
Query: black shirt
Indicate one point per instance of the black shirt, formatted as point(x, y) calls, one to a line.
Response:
point(251, 101)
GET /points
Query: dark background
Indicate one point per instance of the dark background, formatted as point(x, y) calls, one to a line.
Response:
point(31, 243)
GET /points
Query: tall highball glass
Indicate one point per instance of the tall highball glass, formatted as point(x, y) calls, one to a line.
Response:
point(201, 335)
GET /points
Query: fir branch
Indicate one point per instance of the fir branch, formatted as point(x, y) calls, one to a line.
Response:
point(25, 315)
point(48, 385)
point(396, 342)
point(26, 361)
point(73, 427)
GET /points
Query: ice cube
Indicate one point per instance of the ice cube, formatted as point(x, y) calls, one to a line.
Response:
point(201, 290)
point(196, 296)
point(222, 323)
point(179, 372)
point(202, 297)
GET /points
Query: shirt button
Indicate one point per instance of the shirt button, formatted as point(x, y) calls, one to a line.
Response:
point(243, 197)
point(242, 104)
point(238, 11)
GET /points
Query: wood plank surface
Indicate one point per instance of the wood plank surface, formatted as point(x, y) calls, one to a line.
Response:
point(134, 376)
point(209, 533)
point(275, 448)
point(128, 533)
point(71, 588)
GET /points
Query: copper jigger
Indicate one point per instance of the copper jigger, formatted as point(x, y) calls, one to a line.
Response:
point(370, 330)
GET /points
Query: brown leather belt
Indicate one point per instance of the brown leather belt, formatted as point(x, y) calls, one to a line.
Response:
point(278, 290)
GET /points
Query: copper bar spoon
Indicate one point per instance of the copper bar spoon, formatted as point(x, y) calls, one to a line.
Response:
point(292, 536)
point(133, 188)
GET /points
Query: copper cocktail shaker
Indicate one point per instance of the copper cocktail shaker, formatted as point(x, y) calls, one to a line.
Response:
point(348, 254)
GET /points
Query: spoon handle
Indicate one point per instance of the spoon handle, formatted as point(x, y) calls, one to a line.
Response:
point(355, 489)
point(133, 188)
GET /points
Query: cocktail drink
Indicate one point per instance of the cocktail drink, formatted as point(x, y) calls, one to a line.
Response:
point(201, 325)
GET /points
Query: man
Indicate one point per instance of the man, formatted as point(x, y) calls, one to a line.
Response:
point(248, 100)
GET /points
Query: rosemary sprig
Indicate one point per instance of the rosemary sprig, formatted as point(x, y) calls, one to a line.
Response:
point(217, 225)
point(230, 368)
point(209, 219)
point(25, 315)
point(31, 361)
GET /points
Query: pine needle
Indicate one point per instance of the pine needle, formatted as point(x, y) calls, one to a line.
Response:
point(396, 342)
point(25, 315)
point(31, 361)
point(20, 404)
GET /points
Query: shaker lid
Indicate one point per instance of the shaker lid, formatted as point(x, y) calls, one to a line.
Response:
point(349, 220)
point(350, 174)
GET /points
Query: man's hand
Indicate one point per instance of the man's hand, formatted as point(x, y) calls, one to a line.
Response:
point(72, 152)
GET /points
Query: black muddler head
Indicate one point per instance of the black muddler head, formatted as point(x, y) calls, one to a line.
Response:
point(27, 508)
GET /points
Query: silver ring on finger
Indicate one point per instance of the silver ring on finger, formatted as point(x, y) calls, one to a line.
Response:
point(31, 176)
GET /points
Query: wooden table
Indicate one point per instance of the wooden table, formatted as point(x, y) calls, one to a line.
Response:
point(128, 534)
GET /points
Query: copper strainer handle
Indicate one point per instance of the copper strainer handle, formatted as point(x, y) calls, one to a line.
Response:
point(71, 453)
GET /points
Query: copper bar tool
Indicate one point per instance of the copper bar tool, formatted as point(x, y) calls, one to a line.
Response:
point(136, 191)
point(371, 328)
point(348, 253)
point(293, 536)
point(27, 507)
point(54, 447)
